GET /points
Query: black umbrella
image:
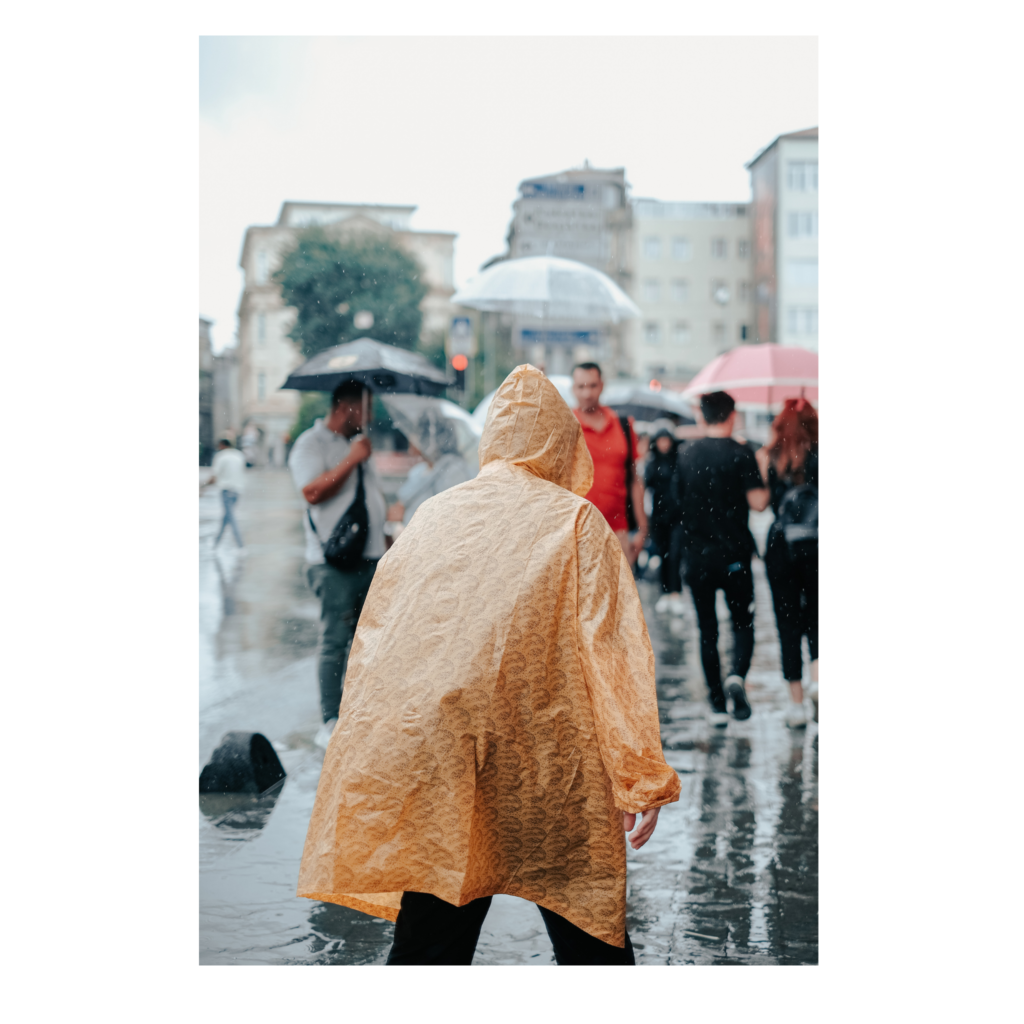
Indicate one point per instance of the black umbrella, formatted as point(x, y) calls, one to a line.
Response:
point(642, 403)
point(384, 369)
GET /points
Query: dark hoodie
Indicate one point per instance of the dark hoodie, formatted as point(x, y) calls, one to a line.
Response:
point(658, 477)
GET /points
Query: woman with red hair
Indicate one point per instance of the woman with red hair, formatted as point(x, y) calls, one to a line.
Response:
point(789, 466)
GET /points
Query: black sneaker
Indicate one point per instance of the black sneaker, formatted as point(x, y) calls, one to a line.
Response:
point(734, 691)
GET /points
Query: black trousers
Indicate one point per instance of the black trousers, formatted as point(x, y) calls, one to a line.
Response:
point(431, 931)
point(794, 583)
point(705, 577)
point(661, 537)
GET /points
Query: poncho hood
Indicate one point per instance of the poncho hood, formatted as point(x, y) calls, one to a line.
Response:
point(530, 426)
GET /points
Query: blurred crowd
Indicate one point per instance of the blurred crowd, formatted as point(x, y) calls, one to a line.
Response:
point(678, 499)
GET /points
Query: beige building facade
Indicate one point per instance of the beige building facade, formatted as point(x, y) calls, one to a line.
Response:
point(693, 282)
point(266, 355)
point(784, 185)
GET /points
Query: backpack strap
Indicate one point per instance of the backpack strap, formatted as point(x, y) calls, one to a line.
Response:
point(631, 520)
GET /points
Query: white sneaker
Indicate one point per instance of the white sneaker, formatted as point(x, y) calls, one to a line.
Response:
point(662, 605)
point(676, 606)
point(323, 736)
point(719, 719)
point(796, 717)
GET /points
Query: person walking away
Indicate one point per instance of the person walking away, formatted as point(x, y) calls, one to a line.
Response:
point(617, 491)
point(499, 730)
point(443, 467)
point(716, 485)
point(661, 467)
point(330, 466)
point(789, 466)
point(229, 474)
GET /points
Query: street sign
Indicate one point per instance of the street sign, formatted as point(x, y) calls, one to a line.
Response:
point(461, 337)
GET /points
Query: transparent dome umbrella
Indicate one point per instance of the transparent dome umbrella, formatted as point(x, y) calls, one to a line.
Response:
point(435, 426)
point(547, 288)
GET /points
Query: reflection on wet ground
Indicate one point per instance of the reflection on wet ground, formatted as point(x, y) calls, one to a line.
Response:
point(730, 876)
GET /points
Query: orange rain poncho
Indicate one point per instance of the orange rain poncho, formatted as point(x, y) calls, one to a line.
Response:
point(499, 707)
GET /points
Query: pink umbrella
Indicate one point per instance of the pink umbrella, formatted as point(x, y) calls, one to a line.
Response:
point(760, 375)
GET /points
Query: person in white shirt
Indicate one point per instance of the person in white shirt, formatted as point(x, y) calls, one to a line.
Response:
point(229, 473)
point(323, 464)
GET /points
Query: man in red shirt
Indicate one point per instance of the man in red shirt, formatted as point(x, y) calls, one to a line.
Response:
point(609, 447)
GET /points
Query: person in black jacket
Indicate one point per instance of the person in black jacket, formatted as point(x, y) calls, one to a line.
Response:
point(664, 517)
point(789, 460)
point(716, 485)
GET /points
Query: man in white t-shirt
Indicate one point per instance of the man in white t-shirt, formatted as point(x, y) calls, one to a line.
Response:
point(323, 463)
point(229, 474)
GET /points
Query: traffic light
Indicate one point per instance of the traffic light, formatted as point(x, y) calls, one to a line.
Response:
point(459, 364)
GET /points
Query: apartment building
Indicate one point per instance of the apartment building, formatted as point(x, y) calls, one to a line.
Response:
point(693, 282)
point(784, 186)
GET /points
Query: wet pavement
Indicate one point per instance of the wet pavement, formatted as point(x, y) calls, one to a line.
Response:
point(729, 877)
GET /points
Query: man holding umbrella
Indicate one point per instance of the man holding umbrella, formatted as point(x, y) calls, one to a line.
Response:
point(330, 466)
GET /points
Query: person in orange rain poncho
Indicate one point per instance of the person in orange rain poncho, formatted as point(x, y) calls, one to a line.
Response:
point(499, 726)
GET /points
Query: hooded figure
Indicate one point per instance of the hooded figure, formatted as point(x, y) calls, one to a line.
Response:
point(499, 711)
point(444, 466)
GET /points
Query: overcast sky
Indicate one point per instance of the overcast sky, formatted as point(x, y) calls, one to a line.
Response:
point(452, 125)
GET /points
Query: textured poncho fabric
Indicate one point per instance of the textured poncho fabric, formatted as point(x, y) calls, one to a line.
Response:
point(499, 708)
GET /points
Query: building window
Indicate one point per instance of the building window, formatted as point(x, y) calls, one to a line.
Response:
point(802, 321)
point(655, 372)
point(680, 290)
point(652, 290)
point(261, 386)
point(744, 332)
point(718, 334)
point(681, 249)
point(743, 291)
point(652, 247)
point(681, 333)
point(742, 248)
point(261, 328)
point(718, 248)
point(802, 225)
point(802, 175)
point(652, 333)
point(802, 273)
point(261, 267)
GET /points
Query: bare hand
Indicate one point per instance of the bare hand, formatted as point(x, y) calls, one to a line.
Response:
point(646, 829)
point(638, 544)
point(396, 512)
point(361, 449)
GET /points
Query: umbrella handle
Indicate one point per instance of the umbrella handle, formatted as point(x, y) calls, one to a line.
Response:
point(366, 411)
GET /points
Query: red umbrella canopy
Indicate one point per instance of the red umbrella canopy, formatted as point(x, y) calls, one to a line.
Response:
point(760, 375)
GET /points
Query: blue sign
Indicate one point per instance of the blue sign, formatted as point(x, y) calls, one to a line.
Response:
point(534, 337)
point(552, 190)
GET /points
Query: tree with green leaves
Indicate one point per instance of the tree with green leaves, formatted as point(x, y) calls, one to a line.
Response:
point(329, 280)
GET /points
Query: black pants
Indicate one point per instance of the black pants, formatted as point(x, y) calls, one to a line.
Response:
point(704, 578)
point(661, 537)
point(794, 583)
point(431, 931)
